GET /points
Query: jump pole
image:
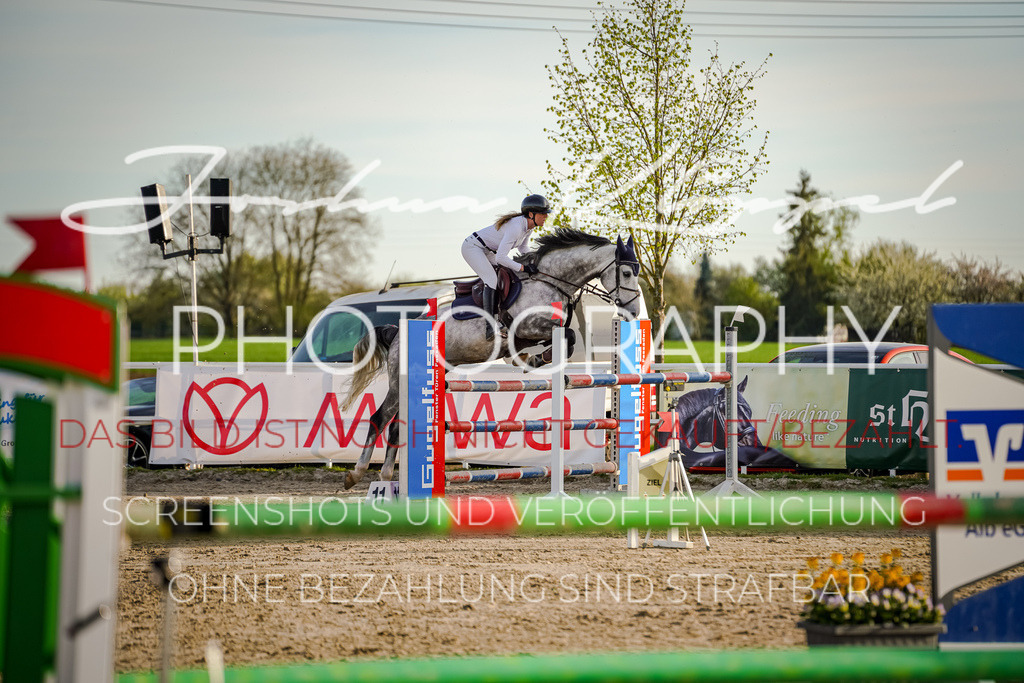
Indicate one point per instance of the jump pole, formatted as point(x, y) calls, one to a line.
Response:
point(818, 664)
point(545, 516)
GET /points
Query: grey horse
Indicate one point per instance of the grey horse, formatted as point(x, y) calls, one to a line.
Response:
point(567, 260)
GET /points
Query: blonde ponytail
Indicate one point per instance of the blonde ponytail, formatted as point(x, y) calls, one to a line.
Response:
point(502, 220)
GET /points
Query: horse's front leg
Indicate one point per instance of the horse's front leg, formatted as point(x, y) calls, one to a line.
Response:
point(381, 417)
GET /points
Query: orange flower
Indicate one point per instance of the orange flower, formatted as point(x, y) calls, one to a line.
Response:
point(812, 562)
point(837, 558)
point(859, 583)
point(886, 558)
point(897, 553)
point(858, 559)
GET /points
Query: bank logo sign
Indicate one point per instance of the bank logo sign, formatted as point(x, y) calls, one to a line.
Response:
point(985, 446)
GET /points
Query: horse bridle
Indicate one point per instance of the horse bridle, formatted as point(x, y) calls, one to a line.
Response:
point(615, 300)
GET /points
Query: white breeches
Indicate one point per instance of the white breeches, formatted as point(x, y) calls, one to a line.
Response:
point(480, 260)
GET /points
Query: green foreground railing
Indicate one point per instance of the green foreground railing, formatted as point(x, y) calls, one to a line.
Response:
point(539, 516)
point(819, 664)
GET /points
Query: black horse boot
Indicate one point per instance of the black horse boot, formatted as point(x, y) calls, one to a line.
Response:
point(490, 306)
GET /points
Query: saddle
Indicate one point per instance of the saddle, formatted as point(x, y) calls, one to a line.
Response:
point(469, 293)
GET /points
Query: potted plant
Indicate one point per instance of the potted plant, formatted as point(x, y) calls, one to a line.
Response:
point(873, 606)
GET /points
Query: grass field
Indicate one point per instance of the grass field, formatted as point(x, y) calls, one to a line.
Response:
point(161, 350)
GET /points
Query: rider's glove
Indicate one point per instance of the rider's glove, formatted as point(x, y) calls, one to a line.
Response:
point(530, 269)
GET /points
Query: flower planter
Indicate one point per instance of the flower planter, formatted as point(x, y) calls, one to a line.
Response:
point(873, 635)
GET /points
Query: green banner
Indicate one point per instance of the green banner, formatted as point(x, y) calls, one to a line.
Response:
point(888, 417)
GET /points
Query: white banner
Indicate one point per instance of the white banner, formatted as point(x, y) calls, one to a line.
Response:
point(214, 416)
point(979, 418)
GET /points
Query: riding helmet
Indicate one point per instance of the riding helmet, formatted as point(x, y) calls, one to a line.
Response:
point(536, 203)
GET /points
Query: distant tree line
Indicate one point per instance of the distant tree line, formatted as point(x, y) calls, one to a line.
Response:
point(817, 268)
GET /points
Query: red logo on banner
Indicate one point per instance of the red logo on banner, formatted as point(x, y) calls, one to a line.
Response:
point(223, 444)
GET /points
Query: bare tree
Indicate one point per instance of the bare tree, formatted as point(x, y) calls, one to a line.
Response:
point(293, 236)
point(318, 245)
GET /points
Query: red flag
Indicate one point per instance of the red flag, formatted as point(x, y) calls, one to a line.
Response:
point(57, 245)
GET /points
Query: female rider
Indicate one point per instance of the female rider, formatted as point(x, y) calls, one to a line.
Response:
point(490, 246)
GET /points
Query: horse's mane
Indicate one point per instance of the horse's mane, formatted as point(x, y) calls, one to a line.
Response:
point(563, 238)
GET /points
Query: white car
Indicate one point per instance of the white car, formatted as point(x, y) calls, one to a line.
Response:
point(337, 329)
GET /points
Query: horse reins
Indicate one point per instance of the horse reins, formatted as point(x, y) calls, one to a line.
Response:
point(591, 289)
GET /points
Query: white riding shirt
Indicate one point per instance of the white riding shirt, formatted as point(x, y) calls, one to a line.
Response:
point(515, 234)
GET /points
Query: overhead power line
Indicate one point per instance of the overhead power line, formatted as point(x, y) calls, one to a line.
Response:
point(730, 13)
point(288, 9)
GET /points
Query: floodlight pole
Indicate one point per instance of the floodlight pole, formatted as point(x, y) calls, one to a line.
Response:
point(192, 254)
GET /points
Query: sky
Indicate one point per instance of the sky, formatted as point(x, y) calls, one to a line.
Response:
point(452, 110)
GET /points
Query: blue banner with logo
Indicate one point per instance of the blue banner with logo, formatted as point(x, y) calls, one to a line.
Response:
point(422, 344)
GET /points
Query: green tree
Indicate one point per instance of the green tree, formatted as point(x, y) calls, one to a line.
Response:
point(680, 288)
point(812, 263)
point(744, 290)
point(891, 274)
point(974, 281)
point(151, 308)
point(703, 296)
point(655, 146)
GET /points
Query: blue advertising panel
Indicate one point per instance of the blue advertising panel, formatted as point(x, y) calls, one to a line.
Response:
point(634, 429)
point(422, 377)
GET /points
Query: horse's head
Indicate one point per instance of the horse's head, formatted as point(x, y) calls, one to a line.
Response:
point(702, 414)
point(572, 257)
point(621, 278)
point(745, 414)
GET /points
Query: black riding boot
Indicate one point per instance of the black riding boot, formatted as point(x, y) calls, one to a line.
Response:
point(490, 306)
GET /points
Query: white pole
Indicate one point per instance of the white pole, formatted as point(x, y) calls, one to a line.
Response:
point(616, 404)
point(557, 411)
point(732, 484)
point(633, 491)
point(403, 411)
point(731, 406)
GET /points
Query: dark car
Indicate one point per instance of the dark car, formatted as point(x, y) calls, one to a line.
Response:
point(858, 352)
point(140, 407)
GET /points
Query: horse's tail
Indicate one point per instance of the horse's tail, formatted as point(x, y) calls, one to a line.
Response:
point(373, 347)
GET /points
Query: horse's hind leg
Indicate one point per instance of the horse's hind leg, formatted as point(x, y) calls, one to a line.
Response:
point(382, 416)
point(376, 423)
point(387, 471)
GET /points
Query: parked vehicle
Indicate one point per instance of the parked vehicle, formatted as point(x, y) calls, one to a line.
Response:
point(140, 407)
point(337, 329)
point(858, 352)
